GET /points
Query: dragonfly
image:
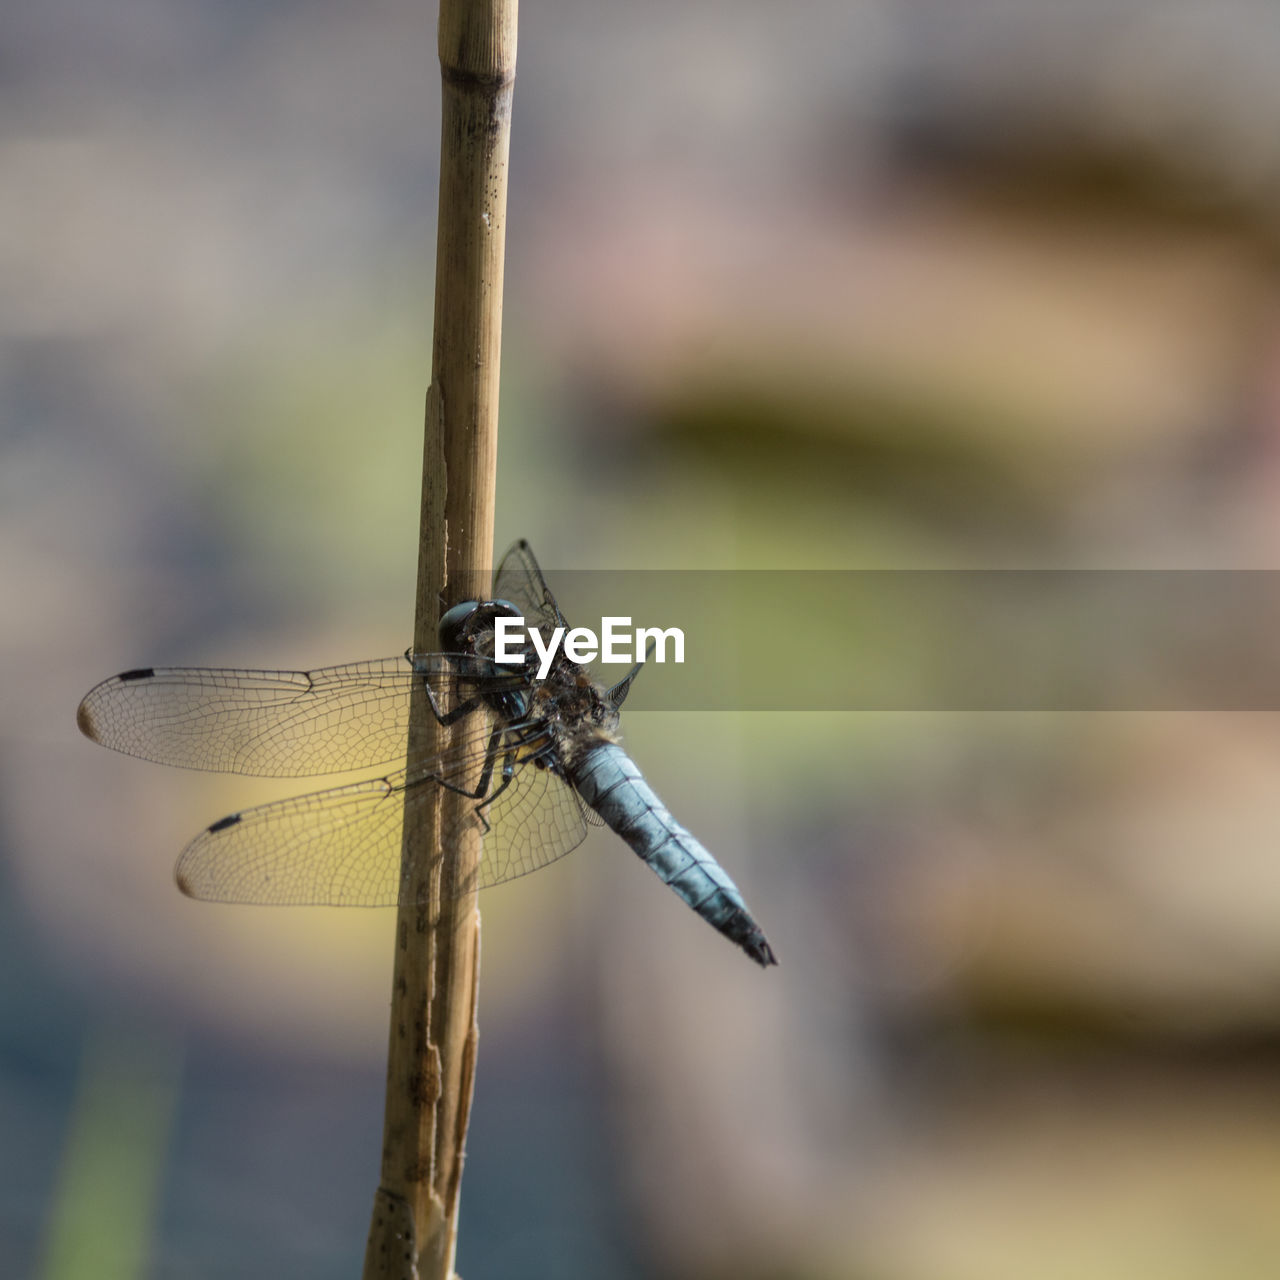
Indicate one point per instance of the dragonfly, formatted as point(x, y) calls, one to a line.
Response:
point(536, 758)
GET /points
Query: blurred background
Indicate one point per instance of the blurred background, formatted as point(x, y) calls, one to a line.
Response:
point(845, 284)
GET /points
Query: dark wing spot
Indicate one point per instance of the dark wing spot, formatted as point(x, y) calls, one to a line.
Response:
point(84, 721)
point(223, 823)
point(138, 673)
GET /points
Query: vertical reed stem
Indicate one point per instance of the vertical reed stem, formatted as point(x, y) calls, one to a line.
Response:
point(431, 1060)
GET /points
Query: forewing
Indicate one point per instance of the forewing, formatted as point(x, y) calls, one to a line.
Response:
point(272, 724)
point(519, 580)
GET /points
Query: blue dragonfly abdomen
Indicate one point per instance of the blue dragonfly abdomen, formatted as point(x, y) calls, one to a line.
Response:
point(610, 782)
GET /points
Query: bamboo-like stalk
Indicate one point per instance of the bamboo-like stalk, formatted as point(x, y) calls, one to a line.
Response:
point(431, 1060)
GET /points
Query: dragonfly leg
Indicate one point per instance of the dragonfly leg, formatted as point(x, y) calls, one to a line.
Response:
point(508, 772)
point(491, 753)
point(452, 717)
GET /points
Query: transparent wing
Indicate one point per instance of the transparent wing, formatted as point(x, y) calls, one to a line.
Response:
point(273, 724)
point(296, 723)
point(341, 847)
point(331, 847)
point(519, 580)
point(538, 819)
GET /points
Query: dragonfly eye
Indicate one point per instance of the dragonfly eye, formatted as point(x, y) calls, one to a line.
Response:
point(463, 625)
point(453, 626)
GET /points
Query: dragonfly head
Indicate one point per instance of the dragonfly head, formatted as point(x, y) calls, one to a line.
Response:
point(464, 627)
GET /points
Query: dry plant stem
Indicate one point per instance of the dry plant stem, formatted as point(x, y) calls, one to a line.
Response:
point(433, 1016)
